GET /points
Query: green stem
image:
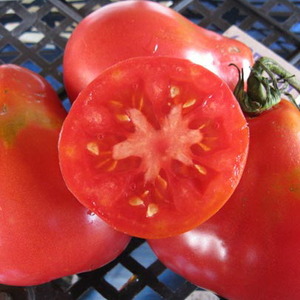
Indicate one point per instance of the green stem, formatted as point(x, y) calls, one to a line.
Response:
point(277, 69)
point(263, 92)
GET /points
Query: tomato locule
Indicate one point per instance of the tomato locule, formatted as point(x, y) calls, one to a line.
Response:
point(45, 233)
point(127, 29)
point(154, 146)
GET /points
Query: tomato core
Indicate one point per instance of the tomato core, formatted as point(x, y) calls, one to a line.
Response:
point(158, 147)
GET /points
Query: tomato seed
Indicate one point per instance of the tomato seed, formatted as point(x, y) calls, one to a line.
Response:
point(163, 183)
point(151, 210)
point(123, 118)
point(93, 148)
point(174, 91)
point(116, 103)
point(204, 147)
point(201, 169)
point(189, 103)
point(136, 201)
point(113, 165)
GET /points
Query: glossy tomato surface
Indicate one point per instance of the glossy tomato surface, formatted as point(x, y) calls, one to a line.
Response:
point(154, 146)
point(250, 248)
point(127, 29)
point(45, 233)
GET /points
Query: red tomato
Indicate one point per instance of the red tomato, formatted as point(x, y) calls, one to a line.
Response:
point(129, 29)
point(45, 233)
point(154, 146)
point(250, 248)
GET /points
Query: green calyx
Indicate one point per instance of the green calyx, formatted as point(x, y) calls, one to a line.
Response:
point(266, 84)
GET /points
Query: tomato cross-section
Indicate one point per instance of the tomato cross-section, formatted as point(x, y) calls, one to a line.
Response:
point(154, 146)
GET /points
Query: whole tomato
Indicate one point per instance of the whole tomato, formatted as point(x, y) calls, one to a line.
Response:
point(154, 146)
point(250, 248)
point(128, 29)
point(45, 233)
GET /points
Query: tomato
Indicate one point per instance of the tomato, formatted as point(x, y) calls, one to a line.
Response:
point(45, 233)
point(127, 29)
point(249, 249)
point(154, 146)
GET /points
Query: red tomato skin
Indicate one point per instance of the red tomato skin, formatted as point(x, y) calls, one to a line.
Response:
point(129, 29)
point(249, 249)
point(44, 232)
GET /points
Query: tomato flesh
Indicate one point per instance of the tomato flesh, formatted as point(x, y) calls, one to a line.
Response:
point(154, 146)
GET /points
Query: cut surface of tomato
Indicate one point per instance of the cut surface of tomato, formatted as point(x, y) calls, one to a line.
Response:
point(154, 146)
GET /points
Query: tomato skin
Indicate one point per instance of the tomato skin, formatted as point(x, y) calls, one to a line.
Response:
point(128, 29)
point(249, 249)
point(44, 232)
point(149, 143)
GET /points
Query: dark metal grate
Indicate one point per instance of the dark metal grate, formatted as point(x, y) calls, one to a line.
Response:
point(33, 33)
point(276, 24)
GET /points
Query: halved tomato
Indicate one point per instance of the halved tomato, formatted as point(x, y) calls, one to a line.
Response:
point(154, 146)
